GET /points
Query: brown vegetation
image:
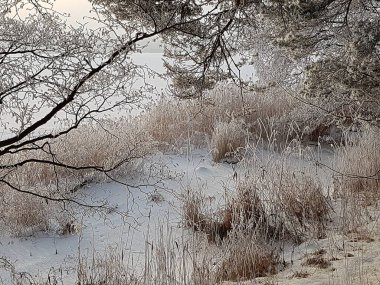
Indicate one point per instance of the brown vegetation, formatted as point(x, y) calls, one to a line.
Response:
point(317, 259)
point(108, 150)
point(223, 116)
point(227, 140)
point(247, 258)
point(358, 166)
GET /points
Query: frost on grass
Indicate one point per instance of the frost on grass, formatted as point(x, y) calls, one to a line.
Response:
point(227, 140)
point(359, 165)
point(102, 152)
point(357, 180)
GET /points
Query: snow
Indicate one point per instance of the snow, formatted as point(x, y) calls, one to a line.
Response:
point(140, 213)
point(49, 252)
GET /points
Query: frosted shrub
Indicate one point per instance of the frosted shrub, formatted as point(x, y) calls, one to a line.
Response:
point(246, 258)
point(359, 165)
point(357, 182)
point(227, 140)
point(95, 153)
point(24, 215)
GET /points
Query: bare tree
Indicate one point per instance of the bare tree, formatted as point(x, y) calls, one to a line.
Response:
point(54, 79)
point(53, 73)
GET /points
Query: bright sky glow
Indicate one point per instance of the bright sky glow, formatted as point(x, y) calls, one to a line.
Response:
point(76, 8)
point(79, 9)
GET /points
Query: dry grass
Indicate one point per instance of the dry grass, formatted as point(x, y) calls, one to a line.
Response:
point(304, 123)
point(241, 232)
point(11, 276)
point(168, 261)
point(227, 140)
point(113, 144)
point(244, 212)
point(193, 211)
point(196, 215)
point(301, 198)
point(282, 205)
point(244, 255)
point(174, 123)
point(359, 165)
point(296, 202)
point(300, 274)
point(317, 259)
point(102, 146)
point(247, 207)
point(108, 268)
point(357, 180)
point(360, 236)
point(246, 258)
point(24, 215)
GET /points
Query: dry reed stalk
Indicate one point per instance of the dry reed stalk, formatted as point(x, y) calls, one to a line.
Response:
point(246, 258)
point(227, 140)
point(112, 144)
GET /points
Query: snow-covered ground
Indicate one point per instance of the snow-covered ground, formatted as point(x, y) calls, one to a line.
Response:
point(138, 211)
point(137, 216)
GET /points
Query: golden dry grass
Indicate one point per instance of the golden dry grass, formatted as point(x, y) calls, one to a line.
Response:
point(227, 140)
point(175, 123)
point(109, 144)
point(196, 216)
point(108, 268)
point(359, 168)
point(246, 258)
point(248, 209)
point(297, 202)
point(24, 215)
point(193, 211)
point(357, 180)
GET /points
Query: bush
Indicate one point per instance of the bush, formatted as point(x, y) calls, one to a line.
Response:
point(358, 165)
point(174, 123)
point(297, 203)
point(119, 146)
point(227, 140)
point(246, 258)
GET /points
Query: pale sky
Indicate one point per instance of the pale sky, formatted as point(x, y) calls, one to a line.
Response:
point(79, 9)
point(76, 8)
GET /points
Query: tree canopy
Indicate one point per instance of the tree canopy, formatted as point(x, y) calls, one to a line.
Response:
point(54, 73)
point(331, 47)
